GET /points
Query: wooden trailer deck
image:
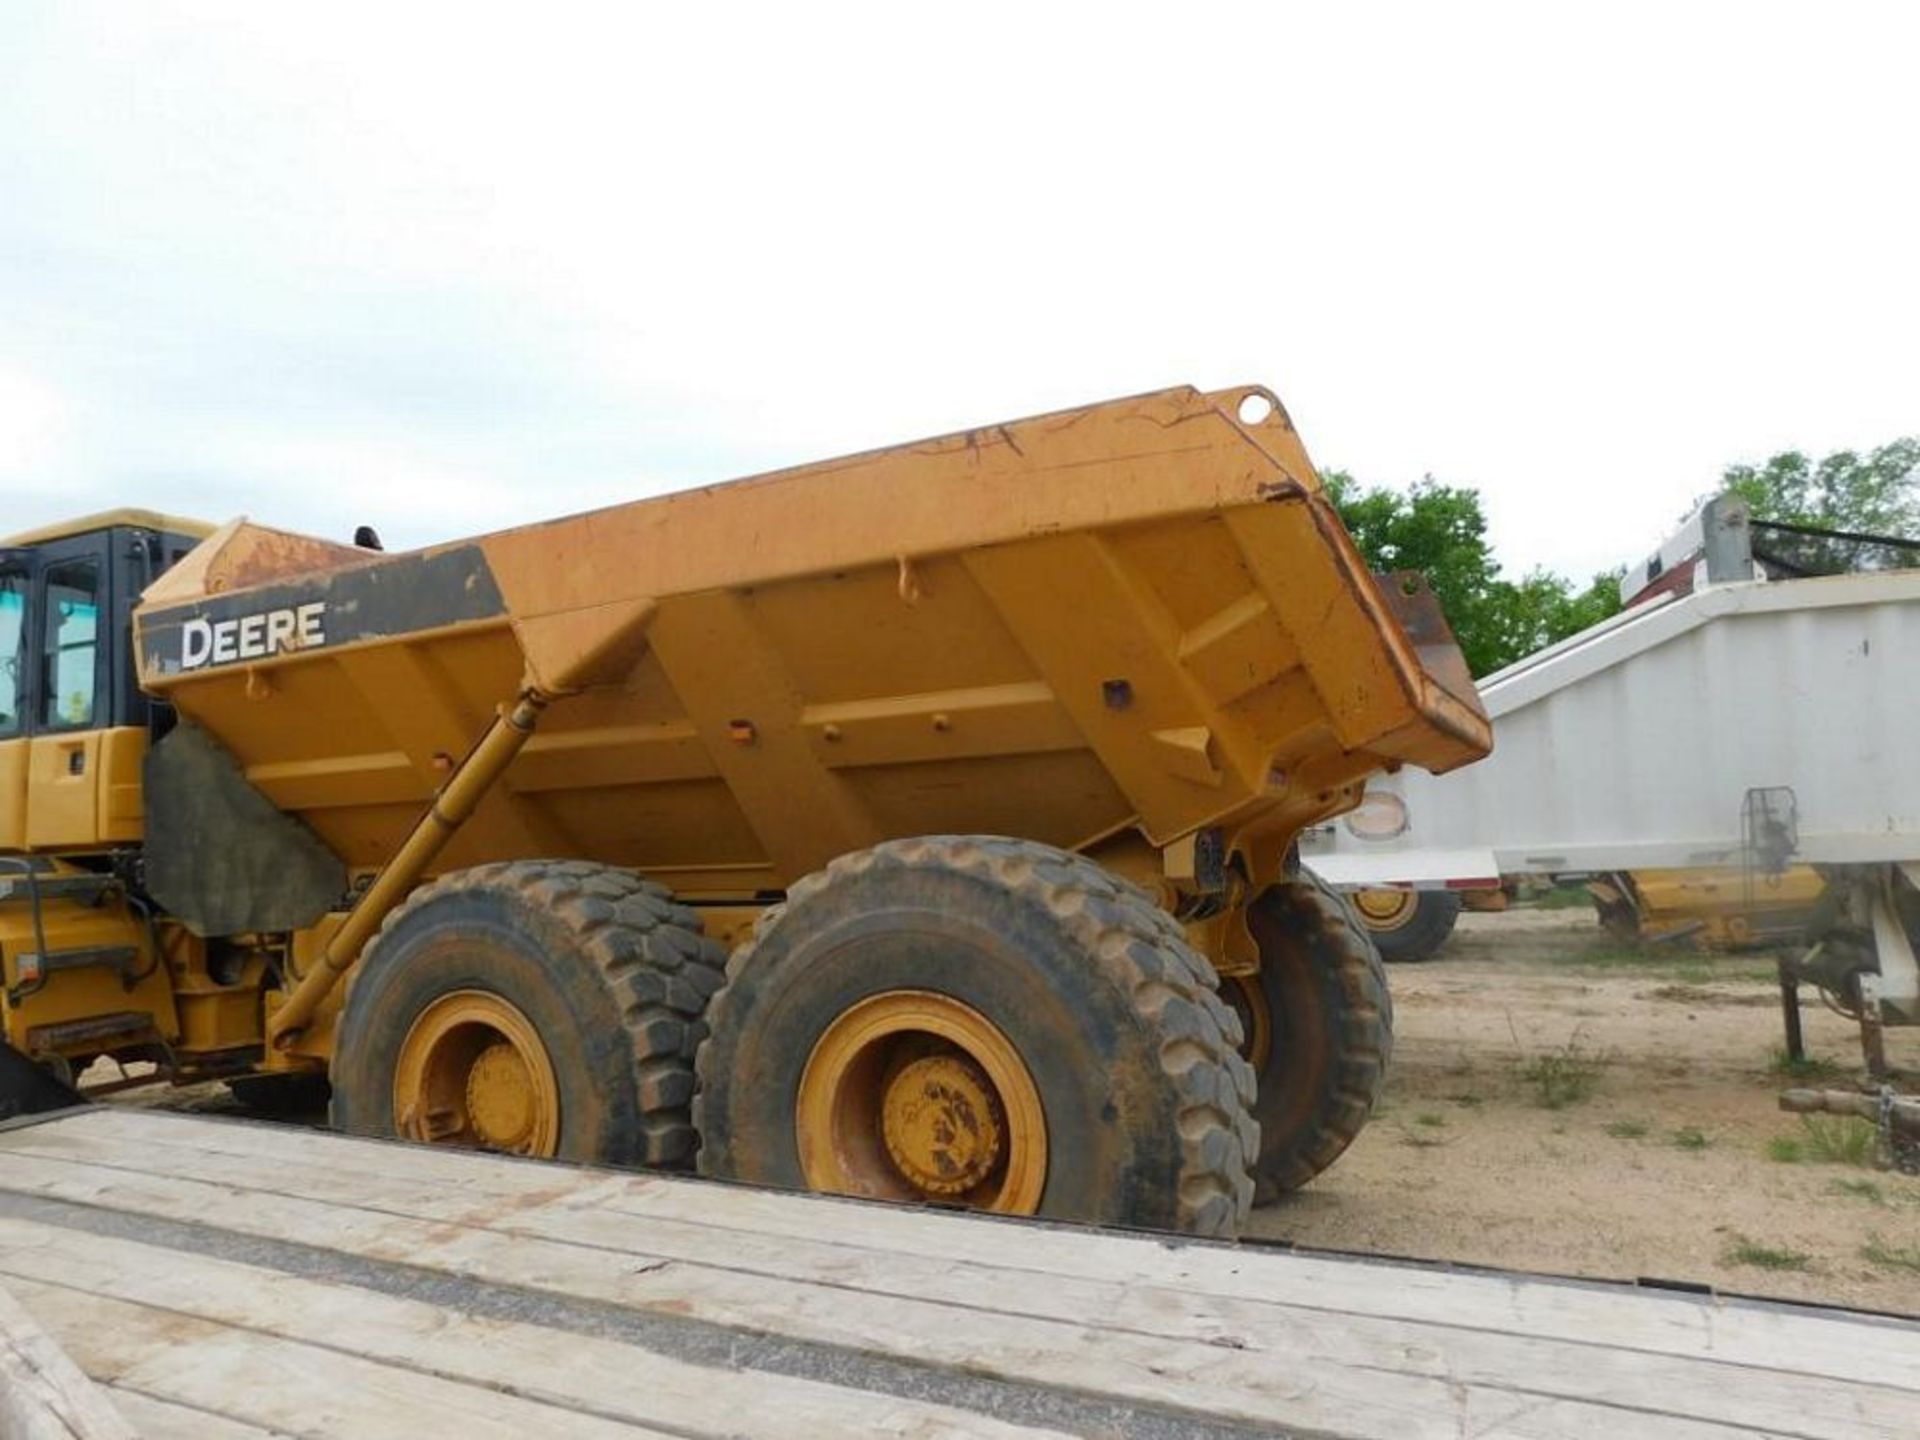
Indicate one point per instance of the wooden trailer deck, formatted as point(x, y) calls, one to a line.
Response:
point(222, 1279)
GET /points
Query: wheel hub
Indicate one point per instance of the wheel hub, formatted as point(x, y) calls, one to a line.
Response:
point(500, 1099)
point(1385, 909)
point(942, 1123)
point(914, 1095)
point(473, 1071)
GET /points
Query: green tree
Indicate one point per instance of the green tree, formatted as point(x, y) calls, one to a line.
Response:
point(1441, 531)
point(1873, 494)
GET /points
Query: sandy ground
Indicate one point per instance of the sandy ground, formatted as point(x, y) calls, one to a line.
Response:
point(1662, 1171)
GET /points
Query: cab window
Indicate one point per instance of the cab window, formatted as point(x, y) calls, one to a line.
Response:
point(72, 609)
point(13, 650)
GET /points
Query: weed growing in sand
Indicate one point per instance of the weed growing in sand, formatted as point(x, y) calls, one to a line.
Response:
point(1767, 1257)
point(1689, 1138)
point(1809, 1067)
point(1433, 1119)
point(1785, 1150)
point(1891, 1257)
point(1866, 1190)
point(1628, 1129)
point(1563, 1077)
point(1838, 1139)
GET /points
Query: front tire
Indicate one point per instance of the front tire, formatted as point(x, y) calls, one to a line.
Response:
point(542, 1007)
point(983, 1022)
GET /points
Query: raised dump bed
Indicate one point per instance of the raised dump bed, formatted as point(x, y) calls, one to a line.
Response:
point(1140, 617)
point(221, 1279)
point(938, 790)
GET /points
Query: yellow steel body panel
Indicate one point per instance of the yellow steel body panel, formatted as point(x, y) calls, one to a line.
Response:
point(82, 790)
point(1731, 907)
point(85, 993)
point(13, 794)
point(63, 790)
point(106, 520)
point(1140, 617)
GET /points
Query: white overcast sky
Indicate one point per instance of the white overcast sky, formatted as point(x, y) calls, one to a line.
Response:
point(448, 269)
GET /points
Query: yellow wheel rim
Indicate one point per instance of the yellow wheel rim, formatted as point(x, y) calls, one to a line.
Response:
point(473, 1072)
point(1383, 910)
point(911, 1095)
point(1248, 999)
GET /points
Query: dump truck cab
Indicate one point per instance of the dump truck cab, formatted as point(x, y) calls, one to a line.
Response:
point(74, 723)
point(78, 961)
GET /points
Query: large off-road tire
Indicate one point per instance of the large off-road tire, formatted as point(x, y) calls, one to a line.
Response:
point(558, 993)
point(986, 1022)
point(1319, 1022)
point(1407, 926)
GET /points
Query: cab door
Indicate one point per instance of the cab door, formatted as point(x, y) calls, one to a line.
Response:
point(16, 588)
point(68, 691)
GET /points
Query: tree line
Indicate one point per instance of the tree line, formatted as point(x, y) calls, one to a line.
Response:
point(1441, 531)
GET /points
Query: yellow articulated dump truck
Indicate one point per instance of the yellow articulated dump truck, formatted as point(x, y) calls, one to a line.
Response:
point(916, 825)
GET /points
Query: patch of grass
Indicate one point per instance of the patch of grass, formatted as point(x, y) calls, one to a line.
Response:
point(1767, 1257)
point(1785, 1150)
point(1694, 973)
point(1628, 1129)
point(1563, 1077)
point(1433, 1119)
point(1866, 1190)
point(1812, 1067)
point(1689, 1138)
point(1471, 1102)
point(1562, 897)
point(1608, 955)
point(1891, 1257)
point(1838, 1139)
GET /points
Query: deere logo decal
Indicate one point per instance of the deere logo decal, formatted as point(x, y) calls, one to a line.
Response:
point(252, 637)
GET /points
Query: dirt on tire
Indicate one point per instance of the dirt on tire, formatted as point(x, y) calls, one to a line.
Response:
point(1130, 1046)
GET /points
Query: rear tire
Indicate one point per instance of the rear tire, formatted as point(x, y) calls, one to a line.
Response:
point(1330, 1019)
point(1415, 933)
point(1086, 997)
point(594, 977)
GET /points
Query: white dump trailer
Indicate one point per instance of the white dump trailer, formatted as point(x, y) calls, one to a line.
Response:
point(1748, 723)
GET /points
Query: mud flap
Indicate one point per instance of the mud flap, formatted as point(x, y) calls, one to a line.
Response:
point(30, 1089)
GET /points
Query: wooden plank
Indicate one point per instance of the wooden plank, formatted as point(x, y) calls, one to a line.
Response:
point(560, 1368)
point(154, 1419)
point(754, 1229)
point(471, 1189)
point(1709, 1388)
point(43, 1394)
point(1301, 1387)
point(277, 1384)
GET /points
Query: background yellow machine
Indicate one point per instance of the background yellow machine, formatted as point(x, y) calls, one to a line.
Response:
point(884, 826)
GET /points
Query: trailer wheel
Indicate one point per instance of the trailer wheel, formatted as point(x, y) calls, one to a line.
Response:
point(980, 1022)
point(543, 1007)
point(1321, 995)
point(1407, 926)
